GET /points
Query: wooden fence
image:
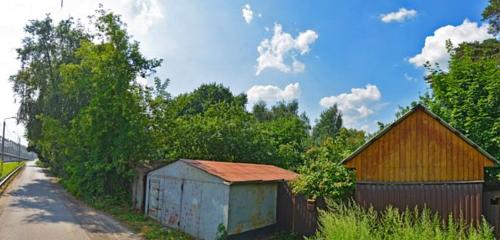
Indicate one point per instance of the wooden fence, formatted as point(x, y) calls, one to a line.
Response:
point(296, 213)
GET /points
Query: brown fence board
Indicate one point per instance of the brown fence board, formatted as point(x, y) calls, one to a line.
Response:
point(295, 214)
point(459, 199)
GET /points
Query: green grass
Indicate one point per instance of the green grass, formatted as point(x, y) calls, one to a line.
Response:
point(349, 221)
point(9, 167)
point(137, 222)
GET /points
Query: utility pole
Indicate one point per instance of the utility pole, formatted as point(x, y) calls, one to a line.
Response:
point(19, 147)
point(3, 149)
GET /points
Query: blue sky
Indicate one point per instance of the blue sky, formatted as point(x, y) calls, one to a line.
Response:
point(209, 41)
point(336, 45)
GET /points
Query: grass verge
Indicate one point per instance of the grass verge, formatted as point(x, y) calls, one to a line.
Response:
point(8, 167)
point(137, 222)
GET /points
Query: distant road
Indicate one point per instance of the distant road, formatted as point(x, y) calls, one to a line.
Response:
point(36, 208)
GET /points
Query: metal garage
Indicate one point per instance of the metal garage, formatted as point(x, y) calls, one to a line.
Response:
point(196, 196)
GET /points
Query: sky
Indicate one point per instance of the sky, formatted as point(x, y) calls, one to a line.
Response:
point(365, 56)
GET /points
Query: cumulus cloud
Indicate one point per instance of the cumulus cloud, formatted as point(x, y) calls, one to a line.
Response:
point(145, 13)
point(434, 49)
point(247, 13)
point(298, 66)
point(399, 16)
point(356, 105)
point(277, 51)
point(270, 93)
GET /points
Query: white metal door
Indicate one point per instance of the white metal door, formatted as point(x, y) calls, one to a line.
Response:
point(191, 203)
point(153, 201)
point(170, 200)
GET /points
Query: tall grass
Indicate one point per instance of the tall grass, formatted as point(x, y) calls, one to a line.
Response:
point(349, 221)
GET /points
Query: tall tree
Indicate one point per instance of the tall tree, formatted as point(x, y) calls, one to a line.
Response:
point(38, 83)
point(328, 125)
point(467, 96)
point(260, 111)
point(492, 14)
point(108, 135)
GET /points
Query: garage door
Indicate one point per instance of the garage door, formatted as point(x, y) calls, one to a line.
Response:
point(164, 200)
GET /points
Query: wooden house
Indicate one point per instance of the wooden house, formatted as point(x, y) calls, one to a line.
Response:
point(420, 160)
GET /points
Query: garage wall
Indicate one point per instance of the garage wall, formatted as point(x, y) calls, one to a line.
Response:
point(251, 206)
point(184, 197)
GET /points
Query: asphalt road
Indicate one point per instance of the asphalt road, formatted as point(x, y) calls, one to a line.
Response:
point(34, 207)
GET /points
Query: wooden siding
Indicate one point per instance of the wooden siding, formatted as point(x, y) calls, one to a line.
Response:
point(462, 200)
point(419, 149)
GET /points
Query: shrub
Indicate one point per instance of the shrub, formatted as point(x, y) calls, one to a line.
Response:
point(349, 221)
point(323, 175)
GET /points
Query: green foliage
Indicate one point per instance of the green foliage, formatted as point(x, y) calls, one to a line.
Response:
point(107, 135)
point(221, 232)
point(349, 221)
point(322, 173)
point(329, 124)
point(37, 83)
point(205, 96)
point(492, 14)
point(467, 96)
point(286, 131)
point(224, 132)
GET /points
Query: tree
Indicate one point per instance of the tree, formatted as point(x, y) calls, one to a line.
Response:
point(111, 131)
point(38, 83)
point(467, 96)
point(260, 111)
point(328, 125)
point(206, 95)
point(224, 132)
point(287, 131)
point(492, 14)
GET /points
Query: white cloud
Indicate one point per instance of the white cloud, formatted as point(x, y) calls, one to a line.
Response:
point(434, 49)
point(274, 52)
point(401, 15)
point(298, 66)
point(247, 13)
point(270, 93)
point(144, 15)
point(356, 106)
point(410, 78)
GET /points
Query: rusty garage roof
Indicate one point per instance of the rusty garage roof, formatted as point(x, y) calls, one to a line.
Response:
point(243, 172)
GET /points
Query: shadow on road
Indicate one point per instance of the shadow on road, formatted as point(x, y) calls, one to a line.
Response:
point(46, 202)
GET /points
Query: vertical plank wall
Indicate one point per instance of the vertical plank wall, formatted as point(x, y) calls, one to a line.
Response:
point(419, 149)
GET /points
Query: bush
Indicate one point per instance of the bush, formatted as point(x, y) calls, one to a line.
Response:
point(323, 175)
point(349, 221)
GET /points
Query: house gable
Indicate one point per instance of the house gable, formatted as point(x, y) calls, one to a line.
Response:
point(419, 147)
